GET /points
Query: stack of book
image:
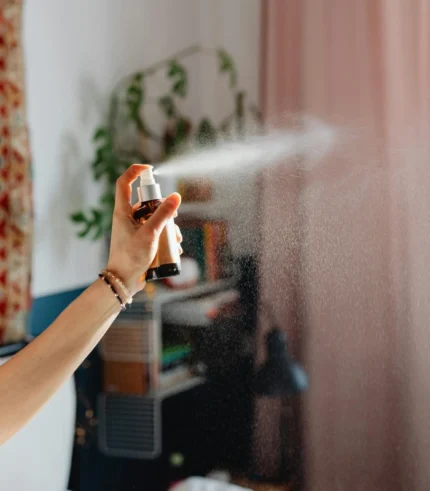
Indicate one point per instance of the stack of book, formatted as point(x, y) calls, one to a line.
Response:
point(174, 365)
point(134, 362)
point(206, 241)
point(130, 351)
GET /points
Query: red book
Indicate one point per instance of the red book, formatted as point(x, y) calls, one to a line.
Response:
point(215, 235)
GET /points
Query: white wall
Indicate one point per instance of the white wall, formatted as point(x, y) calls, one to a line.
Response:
point(75, 52)
point(235, 25)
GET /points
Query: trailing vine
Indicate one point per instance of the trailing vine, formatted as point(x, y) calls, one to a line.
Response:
point(111, 160)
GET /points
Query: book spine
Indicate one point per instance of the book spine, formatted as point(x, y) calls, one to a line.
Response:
point(215, 235)
point(210, 253)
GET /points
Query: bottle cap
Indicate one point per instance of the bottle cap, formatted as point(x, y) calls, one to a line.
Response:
point(148, 188)
point(147, 177)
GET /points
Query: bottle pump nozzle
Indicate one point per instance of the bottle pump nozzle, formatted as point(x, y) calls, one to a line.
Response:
point(149, 189)
point(147, 176)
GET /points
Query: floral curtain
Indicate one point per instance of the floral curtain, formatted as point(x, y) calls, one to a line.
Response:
point(15, 180)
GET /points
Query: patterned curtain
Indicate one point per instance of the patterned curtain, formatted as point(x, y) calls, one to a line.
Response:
point(15, 180)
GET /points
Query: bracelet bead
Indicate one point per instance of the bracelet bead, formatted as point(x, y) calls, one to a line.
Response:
point(120, 283)
point(112, 288)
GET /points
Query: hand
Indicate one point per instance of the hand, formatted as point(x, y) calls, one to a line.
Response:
point(133, 247)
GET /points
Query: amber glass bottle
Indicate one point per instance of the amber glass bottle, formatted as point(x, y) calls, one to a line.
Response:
point(167, 261)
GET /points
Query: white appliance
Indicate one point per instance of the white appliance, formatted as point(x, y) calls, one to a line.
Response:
point(205, 484)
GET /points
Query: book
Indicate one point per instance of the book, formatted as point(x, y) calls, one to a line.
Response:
point(206, 241)
point(193, 243)
point(131, 362)
point(174, 356)
point(216, 245)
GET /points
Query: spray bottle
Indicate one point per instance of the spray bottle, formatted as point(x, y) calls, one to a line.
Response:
point(167, 261)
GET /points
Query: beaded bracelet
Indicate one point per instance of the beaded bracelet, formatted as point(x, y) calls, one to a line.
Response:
point(109, 284)
point(114, 278)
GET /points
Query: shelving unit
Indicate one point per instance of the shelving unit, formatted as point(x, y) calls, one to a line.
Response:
point(131, 425)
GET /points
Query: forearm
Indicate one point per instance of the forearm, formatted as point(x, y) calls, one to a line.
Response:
point(31, 377)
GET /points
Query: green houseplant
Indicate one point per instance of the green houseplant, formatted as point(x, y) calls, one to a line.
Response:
point(126, 109)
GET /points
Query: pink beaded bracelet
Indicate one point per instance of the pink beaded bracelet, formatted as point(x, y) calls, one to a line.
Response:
point(120, 283)
point(109, 284)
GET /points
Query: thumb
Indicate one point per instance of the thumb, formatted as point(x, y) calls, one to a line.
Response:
point(163, 214)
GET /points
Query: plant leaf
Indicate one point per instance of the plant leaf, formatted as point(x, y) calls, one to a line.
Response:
point(179, 88)
point(134, 99)
point(100, 133)
point(108, 199)
point(167, 105)
point(226, 65)
point(83, 233)
point(98, 233)
point(134, 93)
point(174, 68)
point(97, 215)
point(106, 163)
point(181, 130)
point(78, 217)
point(97, 223)
point(98, 174)
point(100, 158)
point(178, 75)
point(206, 133)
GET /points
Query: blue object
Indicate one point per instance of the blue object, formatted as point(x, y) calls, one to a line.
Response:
point(47, 308)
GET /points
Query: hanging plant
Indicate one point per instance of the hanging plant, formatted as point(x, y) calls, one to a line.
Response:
point(179, 131)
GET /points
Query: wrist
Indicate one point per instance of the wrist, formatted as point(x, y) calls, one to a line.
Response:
point(129, 284)
point(120, 293)
point(109, 297)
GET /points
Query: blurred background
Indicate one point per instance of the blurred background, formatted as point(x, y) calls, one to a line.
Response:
point(292, 352)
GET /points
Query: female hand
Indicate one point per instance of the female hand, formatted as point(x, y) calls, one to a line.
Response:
point(31, 377)
point(133, 247)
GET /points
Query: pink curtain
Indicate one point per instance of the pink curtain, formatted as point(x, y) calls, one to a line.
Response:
point(349, 272)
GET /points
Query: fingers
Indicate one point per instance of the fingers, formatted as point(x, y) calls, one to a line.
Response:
point(164, 212)
point(178, 234)
point(176, 213)
point(179, 239)
point(123, 187)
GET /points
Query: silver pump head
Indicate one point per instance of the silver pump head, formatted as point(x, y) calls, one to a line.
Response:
point(148, 188)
